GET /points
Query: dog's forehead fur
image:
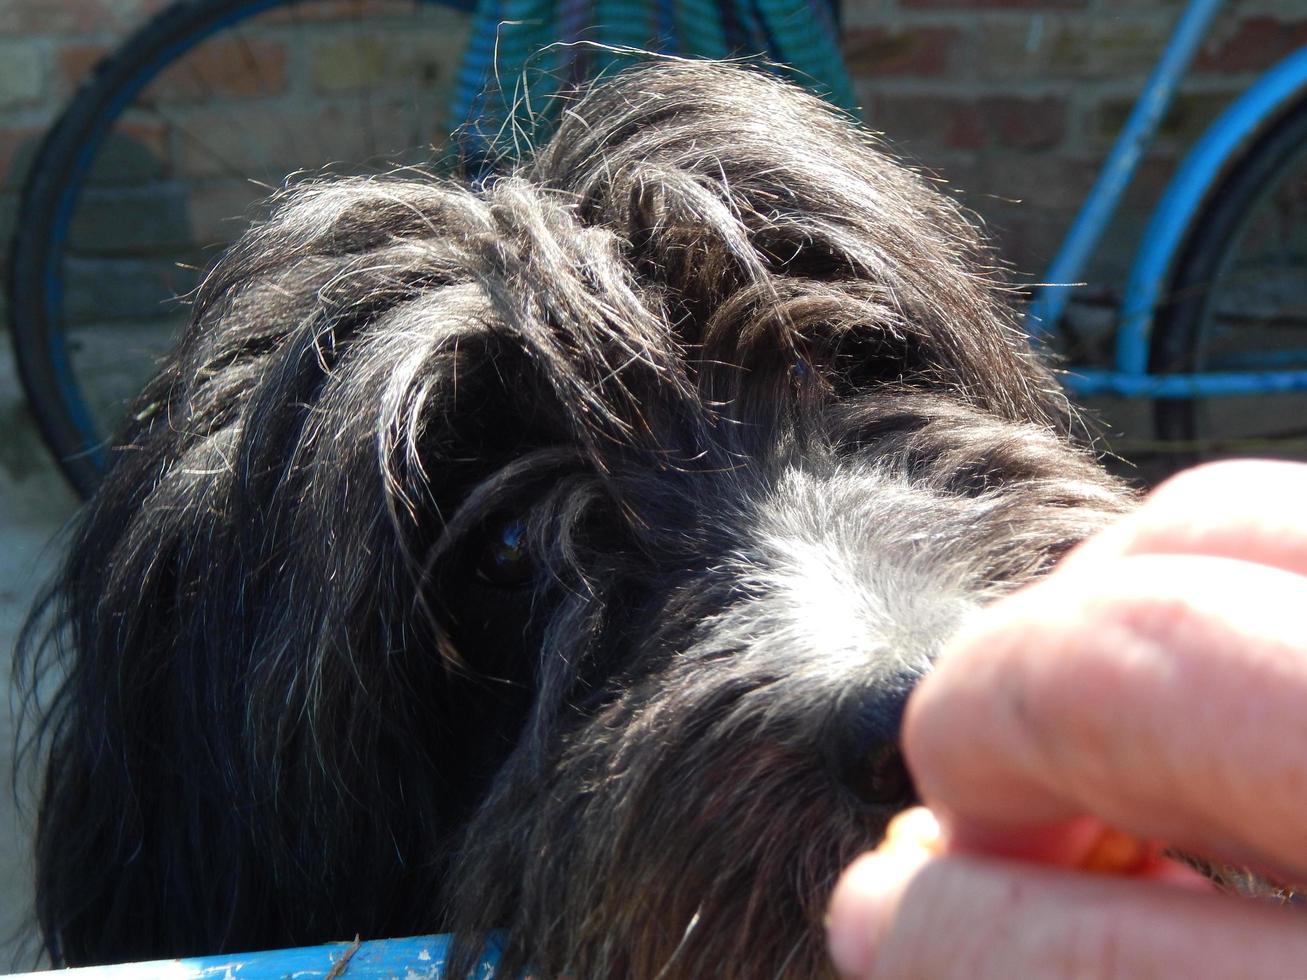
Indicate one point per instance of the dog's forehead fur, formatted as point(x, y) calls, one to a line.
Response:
point(679, 220)
point(754, 395)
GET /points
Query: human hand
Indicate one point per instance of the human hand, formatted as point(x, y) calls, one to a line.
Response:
point(1155, 683)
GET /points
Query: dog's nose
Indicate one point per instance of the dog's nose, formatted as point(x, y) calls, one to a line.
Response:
point(869, 761)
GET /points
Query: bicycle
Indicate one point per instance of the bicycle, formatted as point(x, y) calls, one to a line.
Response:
point(123, 206)
point(1177, 344)
point(1212, 309)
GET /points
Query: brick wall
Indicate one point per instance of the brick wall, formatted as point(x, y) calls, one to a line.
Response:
point(1013, 102)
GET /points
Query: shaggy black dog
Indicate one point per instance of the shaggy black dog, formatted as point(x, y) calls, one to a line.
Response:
point(551, 557)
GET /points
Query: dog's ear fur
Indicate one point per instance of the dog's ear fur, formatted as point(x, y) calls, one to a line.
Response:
point(257, 716)
point(250, 717)
point(256, 731)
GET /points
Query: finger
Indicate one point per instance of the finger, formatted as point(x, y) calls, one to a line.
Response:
point(1252, 510)
point(978, 917)
point(1164, 696)
point(1085, 844)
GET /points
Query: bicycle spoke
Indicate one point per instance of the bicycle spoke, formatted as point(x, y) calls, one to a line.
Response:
point(230, 169)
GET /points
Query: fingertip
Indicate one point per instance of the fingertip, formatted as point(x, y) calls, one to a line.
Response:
point(1248, 509)
point(862, 905)
point(1227, 476)
point(852, 918)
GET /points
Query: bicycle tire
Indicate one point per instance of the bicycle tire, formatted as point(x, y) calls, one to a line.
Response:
point(1209, 249)
point(46, 205)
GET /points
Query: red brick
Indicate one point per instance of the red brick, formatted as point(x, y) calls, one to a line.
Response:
point(1257, 43)
point(326, 11)
point(1067, 47)
point(225, 67)
point(241, 67)
point(17, 146)
point(870, 51)
point(1024, 123)
point(267, 141)
point(62, 16)
point(916, 121)
point(1013, 122)
point(75, 62)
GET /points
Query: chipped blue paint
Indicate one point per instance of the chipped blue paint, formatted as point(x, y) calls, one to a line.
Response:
point(416, 958)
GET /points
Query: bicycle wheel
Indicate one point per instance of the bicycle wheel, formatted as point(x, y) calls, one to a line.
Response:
point(193, 120)
point(1237, 301)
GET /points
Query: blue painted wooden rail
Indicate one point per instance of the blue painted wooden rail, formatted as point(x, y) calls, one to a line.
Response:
point(418, 958)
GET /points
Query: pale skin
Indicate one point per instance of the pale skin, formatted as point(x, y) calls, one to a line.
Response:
point(1154, 683)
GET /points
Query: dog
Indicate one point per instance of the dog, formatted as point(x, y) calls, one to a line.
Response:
point(549, 557)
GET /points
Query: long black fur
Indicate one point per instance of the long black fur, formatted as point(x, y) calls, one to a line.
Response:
point(550, 557)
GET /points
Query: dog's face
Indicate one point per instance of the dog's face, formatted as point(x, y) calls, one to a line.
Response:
point(554, 558)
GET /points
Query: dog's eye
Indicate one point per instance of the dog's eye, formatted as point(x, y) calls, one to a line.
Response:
point(882, 778)
point(505, 559)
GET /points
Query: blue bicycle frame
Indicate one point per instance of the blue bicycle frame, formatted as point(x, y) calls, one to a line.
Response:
point(1171, 219)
